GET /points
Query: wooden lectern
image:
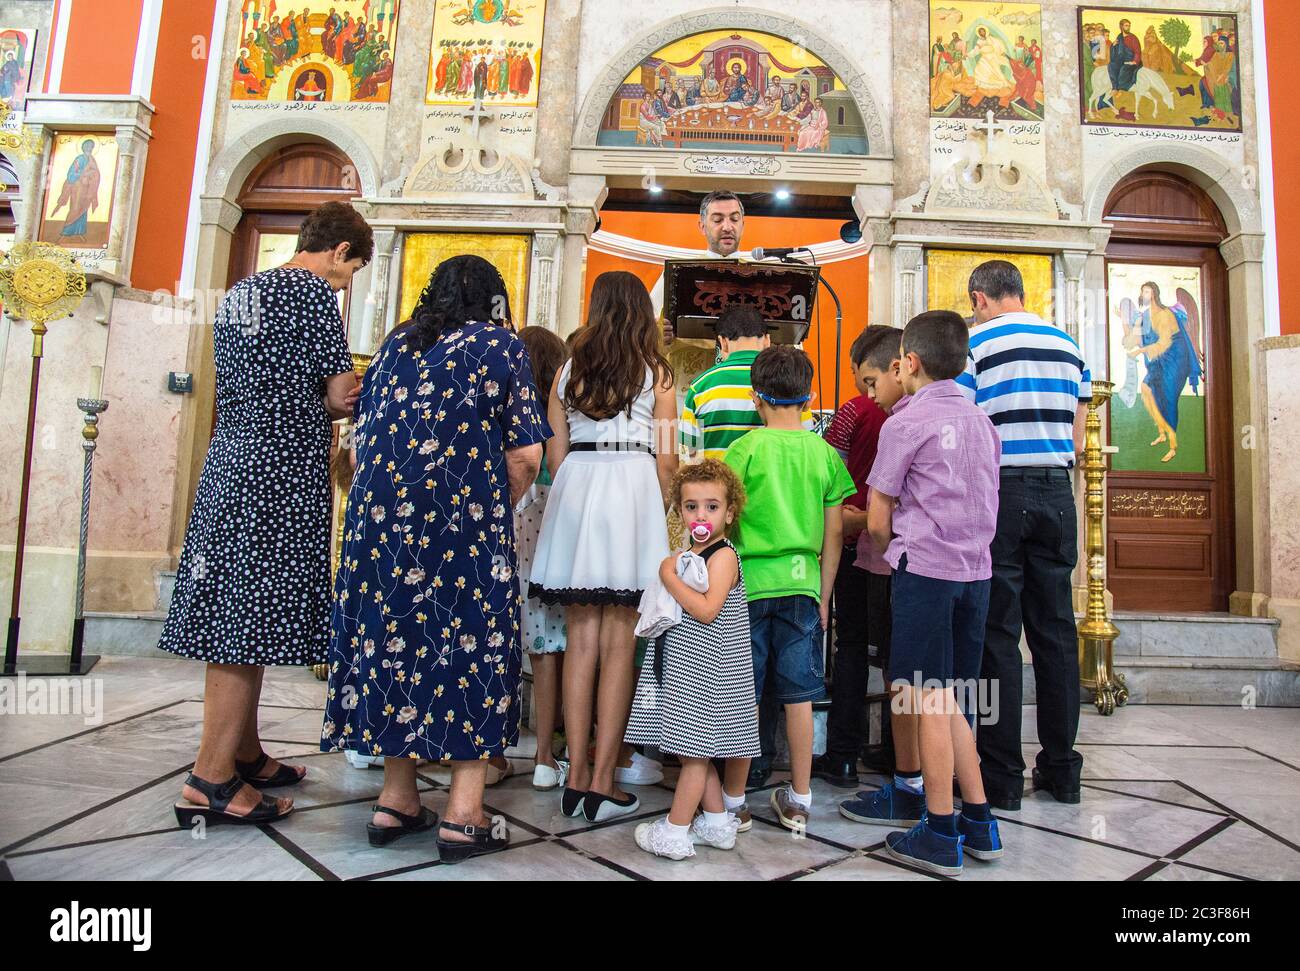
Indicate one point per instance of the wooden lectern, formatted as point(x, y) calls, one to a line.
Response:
point(698, 292)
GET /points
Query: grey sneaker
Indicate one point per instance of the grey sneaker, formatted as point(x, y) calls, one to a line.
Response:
point(655, 838)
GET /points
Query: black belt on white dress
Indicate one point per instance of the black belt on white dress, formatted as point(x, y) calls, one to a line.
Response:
point(611, 447)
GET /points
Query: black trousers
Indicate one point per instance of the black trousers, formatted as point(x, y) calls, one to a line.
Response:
point(861, 620)
point(1034, 554)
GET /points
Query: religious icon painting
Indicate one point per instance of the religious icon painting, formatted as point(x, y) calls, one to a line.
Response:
point(948, 270)
point(341, 54)
point(510, 253)
point(79, 190)
point(1157, 364)
point(735, 89)
point(1159, 69)
point(487, 51)
point(17, 55)
point(986, 57)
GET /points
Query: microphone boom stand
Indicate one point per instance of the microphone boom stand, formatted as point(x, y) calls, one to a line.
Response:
point(839, 324)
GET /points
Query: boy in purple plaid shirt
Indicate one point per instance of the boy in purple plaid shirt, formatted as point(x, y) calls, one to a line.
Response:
point(933, 512)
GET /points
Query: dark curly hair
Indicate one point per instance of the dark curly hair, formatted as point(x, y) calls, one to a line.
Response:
point(333, 223)
point(461, 289)
point(710, 470)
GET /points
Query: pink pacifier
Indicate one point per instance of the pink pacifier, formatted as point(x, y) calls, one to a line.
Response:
point(701, 530)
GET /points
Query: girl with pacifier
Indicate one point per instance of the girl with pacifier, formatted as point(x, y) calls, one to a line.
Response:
point(695, 695)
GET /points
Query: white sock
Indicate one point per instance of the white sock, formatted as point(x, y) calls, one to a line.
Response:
point(680, 832)
point(916, 785)
point(801, 798)
point(732, 803)
point(716, 819)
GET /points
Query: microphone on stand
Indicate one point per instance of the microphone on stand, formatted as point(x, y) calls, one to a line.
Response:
point(777, 252)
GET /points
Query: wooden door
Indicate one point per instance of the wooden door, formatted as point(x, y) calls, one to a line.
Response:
point(277, 197)
point(1170, 509)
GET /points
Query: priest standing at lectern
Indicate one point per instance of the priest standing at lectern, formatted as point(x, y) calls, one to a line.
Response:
point(722, 223)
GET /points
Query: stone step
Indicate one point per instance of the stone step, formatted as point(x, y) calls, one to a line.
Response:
point(1152, 679)
point(1195, 635)
point(1251, 682)
point(125, 634)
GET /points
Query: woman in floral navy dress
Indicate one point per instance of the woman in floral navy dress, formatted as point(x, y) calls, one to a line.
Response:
point(425, 657)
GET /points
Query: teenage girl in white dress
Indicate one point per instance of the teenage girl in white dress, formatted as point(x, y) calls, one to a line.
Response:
point(604, 534)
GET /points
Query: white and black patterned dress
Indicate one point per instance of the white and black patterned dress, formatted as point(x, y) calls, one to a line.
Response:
point(253, 585)
point(699, 701)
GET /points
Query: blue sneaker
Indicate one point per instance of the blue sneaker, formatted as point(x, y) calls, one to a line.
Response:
point(923, 847)
point(887, 807)
point(981, 838)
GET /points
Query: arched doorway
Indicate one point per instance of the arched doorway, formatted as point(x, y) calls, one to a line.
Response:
point(277, 196)
point(1170, 504)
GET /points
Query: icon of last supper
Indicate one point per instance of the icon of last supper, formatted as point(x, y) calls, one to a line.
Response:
point(735, 90)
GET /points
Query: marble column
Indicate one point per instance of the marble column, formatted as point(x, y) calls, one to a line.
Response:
point(1244, 256)
point(586, 195)
point(379, 287)
point(909, 282)
point(218, 217)
point(132, 150)
point(544, 275)
point(1073, 264)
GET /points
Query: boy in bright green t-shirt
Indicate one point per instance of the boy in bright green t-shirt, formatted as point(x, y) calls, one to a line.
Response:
point(789, 539)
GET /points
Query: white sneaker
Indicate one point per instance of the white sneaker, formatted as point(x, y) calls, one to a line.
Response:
point(545, 777)
point(657, 839)
point(359, 761)
point(721, 836)
point(642, 772)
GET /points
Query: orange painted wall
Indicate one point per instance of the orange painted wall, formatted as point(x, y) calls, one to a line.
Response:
point(178, 99)
point(1279, 25)
point(102, 37)
point(849, 278)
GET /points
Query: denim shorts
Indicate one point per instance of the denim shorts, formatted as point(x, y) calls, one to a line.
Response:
point(938, 630)
point(787, 636)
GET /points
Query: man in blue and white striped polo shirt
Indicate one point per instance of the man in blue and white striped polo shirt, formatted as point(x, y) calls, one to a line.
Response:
point(1030, 379)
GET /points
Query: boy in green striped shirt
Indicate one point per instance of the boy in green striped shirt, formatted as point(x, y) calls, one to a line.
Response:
point(719, 408)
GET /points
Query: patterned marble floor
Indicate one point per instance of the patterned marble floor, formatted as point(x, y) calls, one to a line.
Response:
point(1170, 793)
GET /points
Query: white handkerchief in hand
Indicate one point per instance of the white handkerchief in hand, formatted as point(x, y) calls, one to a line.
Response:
point(659, 609)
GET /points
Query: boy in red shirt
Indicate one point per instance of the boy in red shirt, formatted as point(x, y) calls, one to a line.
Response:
point(854, 432)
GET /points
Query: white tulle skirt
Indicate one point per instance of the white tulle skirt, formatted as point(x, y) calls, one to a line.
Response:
point(604, 533)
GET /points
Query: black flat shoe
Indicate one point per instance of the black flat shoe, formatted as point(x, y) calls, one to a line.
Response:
point(841, 773)
point(284, 776)
point(758, 776)
point(421, 822)
point(571, 802)
point(1003, 799)
point(878, 758)
point(455, 851)
point(1066, 793)
point(598, 807)
point(219, 797)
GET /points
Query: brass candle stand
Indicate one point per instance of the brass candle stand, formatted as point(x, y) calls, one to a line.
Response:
point(92, 408)
point(1097, 633)
point(39, 282)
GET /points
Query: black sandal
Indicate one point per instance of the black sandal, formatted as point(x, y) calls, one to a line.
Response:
point(454, 851)
point(219, 797)
point(422, 821)
point(284, 776)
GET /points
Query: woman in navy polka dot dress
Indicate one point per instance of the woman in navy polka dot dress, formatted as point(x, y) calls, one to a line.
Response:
point(253, 584)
